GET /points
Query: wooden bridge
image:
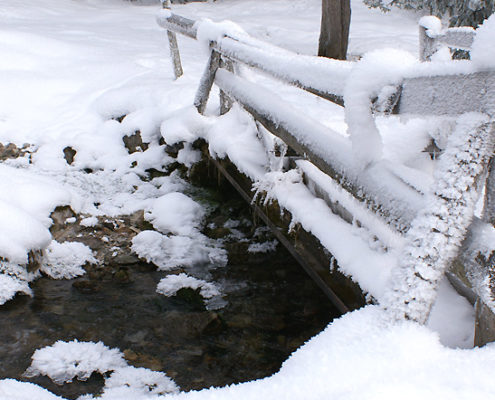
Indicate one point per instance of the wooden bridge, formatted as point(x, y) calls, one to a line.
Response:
point(438, 234)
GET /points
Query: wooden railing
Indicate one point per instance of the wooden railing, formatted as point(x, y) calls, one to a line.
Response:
point(432, 36)
point(380, 188)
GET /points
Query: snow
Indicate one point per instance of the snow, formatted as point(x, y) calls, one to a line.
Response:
point(175, 213)
point(170, 252)
point(66, 260)
point(433, 25)
point(483, 49)
point(169, 285)
point(64, 361)
point(70, 69)
point(135, 383)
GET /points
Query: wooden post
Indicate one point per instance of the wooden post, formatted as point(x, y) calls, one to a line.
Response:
point(489, 207)
point(427, 45)
point(206, 82)
point(173, 46)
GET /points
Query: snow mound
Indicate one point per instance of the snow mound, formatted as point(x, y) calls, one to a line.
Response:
point(483, 50)
point(131, 383)
point(175, 251)
point(175, 213)
point(19, 233)
point(10, 286)
point(64, 361)
point(169, 285)
point(65, 260)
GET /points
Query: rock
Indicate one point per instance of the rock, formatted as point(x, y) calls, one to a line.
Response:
point(69, 154)
point(192, 324)
point(143, 360)
point(192, 297)
point(12, 151)
point(85, 286)
point(134, 143)
point(173, 150)
point(240, 321)
point(34, 260)
point(125, 259)
point(217, 233)
point(122, 276)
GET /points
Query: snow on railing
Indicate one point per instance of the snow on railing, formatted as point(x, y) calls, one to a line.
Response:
point(432, 36)
point(434, 223)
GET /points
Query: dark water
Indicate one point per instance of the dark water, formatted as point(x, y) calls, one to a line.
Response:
point(272, 308)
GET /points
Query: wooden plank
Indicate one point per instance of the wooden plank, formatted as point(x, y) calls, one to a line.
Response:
point(250, 56)
point(206, 81)
point(176, 23)
point(377, 187)
point(313, 268)
point(187, 27)
point(458, 38)
point(174, 54)
point(449, 94)
point(173, 47)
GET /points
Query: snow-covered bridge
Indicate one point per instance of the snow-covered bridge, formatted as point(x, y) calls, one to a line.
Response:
point(416, 223)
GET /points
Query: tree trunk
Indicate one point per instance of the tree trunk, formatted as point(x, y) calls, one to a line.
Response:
point(334, 32)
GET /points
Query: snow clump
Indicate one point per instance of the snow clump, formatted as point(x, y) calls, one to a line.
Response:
point(64, 361)
point(171, 284)
point(65, 260)
point(175, 213)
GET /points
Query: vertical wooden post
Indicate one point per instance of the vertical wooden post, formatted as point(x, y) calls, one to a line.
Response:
point(427, 45)
point(173, 46)
point(225, 100)
point(489, 206)
point(206, 82)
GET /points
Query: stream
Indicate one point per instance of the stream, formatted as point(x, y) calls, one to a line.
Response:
point(271, 308)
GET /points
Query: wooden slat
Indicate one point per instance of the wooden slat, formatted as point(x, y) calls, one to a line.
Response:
point(458, 38)
point(449, 94)
point(206, 82)
point(182, 25)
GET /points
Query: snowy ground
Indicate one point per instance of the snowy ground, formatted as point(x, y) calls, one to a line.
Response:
point(70, 68)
